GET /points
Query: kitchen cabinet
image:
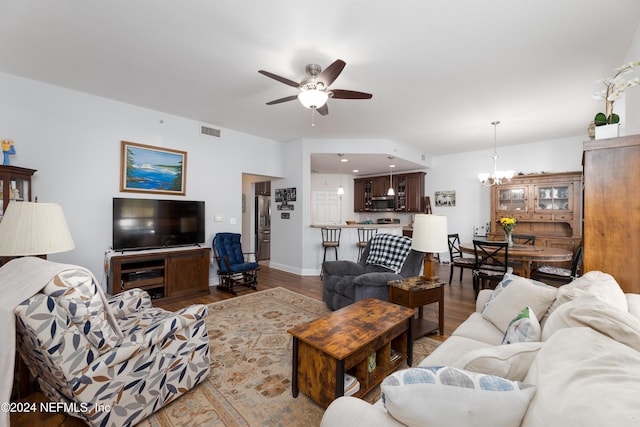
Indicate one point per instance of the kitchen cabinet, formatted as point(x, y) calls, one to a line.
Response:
point(545, 205)
point(612, 209)
point(263, 188)
point(409, 190)
point(380, 185)
point(15, 184)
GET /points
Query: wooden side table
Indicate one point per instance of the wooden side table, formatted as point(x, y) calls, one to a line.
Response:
point(415, 292)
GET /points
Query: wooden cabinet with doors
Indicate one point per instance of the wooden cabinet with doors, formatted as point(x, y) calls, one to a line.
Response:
point(263, 188)
point(612, 209)
point(409, 189)
point(380, 185)
point(545, 205)
point(163, 273)
point(15, 184)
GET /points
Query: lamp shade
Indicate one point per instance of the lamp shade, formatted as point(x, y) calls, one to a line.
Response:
point(430, 233)
point(313, 98)
point(34, 229)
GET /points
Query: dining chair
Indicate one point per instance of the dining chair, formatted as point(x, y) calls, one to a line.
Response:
point(521, 239)
point(492, 263)
point(524, 239)
point(456, 257)
point(330, 239)
point(557, 276)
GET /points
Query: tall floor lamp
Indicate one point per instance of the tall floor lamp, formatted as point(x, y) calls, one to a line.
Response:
point(430, 236)
point(34, 229)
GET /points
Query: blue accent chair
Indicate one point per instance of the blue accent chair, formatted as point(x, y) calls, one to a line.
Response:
point(234, 266)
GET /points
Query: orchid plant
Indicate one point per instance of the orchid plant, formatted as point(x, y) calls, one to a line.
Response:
point(614, 86)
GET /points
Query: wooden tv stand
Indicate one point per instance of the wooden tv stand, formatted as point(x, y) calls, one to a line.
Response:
point(164, 273)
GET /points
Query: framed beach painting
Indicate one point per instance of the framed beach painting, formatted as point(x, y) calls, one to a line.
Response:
point(147, 169)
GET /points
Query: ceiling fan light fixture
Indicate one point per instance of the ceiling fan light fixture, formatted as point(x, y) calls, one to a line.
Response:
point(313, 98)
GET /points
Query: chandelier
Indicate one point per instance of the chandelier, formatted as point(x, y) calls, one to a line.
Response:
point(496, 177)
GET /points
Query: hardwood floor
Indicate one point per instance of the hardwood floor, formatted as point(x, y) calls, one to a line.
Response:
point(459, 304)
point(459, 298)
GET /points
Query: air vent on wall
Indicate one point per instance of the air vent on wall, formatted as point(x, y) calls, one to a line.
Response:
point(210, 131)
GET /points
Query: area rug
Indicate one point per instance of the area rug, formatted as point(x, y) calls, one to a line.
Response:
point(250, 380)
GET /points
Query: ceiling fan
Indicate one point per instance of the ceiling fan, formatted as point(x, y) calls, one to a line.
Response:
point(314, 87)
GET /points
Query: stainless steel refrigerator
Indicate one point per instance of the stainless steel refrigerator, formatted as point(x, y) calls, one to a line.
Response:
point(263, 227)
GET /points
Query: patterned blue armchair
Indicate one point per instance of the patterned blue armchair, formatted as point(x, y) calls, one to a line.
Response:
point(111, 365)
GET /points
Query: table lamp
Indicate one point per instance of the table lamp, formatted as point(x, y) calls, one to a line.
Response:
point(430, 236)
point(34, 229)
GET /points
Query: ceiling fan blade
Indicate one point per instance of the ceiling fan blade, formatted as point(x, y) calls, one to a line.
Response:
point(279, 78)
point(285, 99)
point(329, 74)
point(324, 110)
point(350, 94)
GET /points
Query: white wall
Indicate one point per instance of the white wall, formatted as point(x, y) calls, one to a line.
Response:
point(73, 140)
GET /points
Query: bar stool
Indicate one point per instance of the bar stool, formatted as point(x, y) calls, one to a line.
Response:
point(330, 239)
point(364, 235)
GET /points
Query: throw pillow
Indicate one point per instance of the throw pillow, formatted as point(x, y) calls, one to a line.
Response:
point(520, 293)
point(76, 292)
point(508, 361)
point(523, 328)
point(447, 396)
point(389, 250)
point(506, 281)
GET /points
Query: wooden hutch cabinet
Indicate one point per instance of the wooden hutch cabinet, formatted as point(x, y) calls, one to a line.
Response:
point(409, 189)
point(611, 170)
point(545, 205)
point(15, 184)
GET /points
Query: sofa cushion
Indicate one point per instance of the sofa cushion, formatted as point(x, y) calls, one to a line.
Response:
point(523, 328)
point(519, 293)
point(452, 349)
point(597, 378)
point(76, 292)
point(594, 283)
point(478, 328)
point(510, 361)
point(436, 396)
point(597, 314)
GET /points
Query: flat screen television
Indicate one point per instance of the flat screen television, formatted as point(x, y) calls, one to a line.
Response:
point(150, 224)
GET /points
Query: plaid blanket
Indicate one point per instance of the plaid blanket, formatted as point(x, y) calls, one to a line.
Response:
point(389, 250)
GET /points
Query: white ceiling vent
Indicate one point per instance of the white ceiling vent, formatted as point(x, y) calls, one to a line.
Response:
point(210, 131)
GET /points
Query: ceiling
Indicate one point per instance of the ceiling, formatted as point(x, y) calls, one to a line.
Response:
point(440, 71)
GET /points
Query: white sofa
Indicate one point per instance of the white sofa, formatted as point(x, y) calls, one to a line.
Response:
point(583, 367)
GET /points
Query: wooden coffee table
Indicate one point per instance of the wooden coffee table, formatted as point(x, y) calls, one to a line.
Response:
point(343, 341)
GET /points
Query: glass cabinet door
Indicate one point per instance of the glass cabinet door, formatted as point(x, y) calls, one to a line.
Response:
point(19, 189)
point(512, 199)
point(552, 198)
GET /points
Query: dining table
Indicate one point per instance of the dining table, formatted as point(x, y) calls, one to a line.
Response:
point(528, 254)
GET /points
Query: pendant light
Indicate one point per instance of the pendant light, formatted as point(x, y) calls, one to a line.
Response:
point(496, 177)
point(391, 191)
point(340, 188)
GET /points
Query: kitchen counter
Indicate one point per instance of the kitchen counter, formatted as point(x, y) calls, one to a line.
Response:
point(348, 248)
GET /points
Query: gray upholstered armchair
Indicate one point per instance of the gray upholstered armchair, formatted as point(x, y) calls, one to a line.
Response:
point(345, 282)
